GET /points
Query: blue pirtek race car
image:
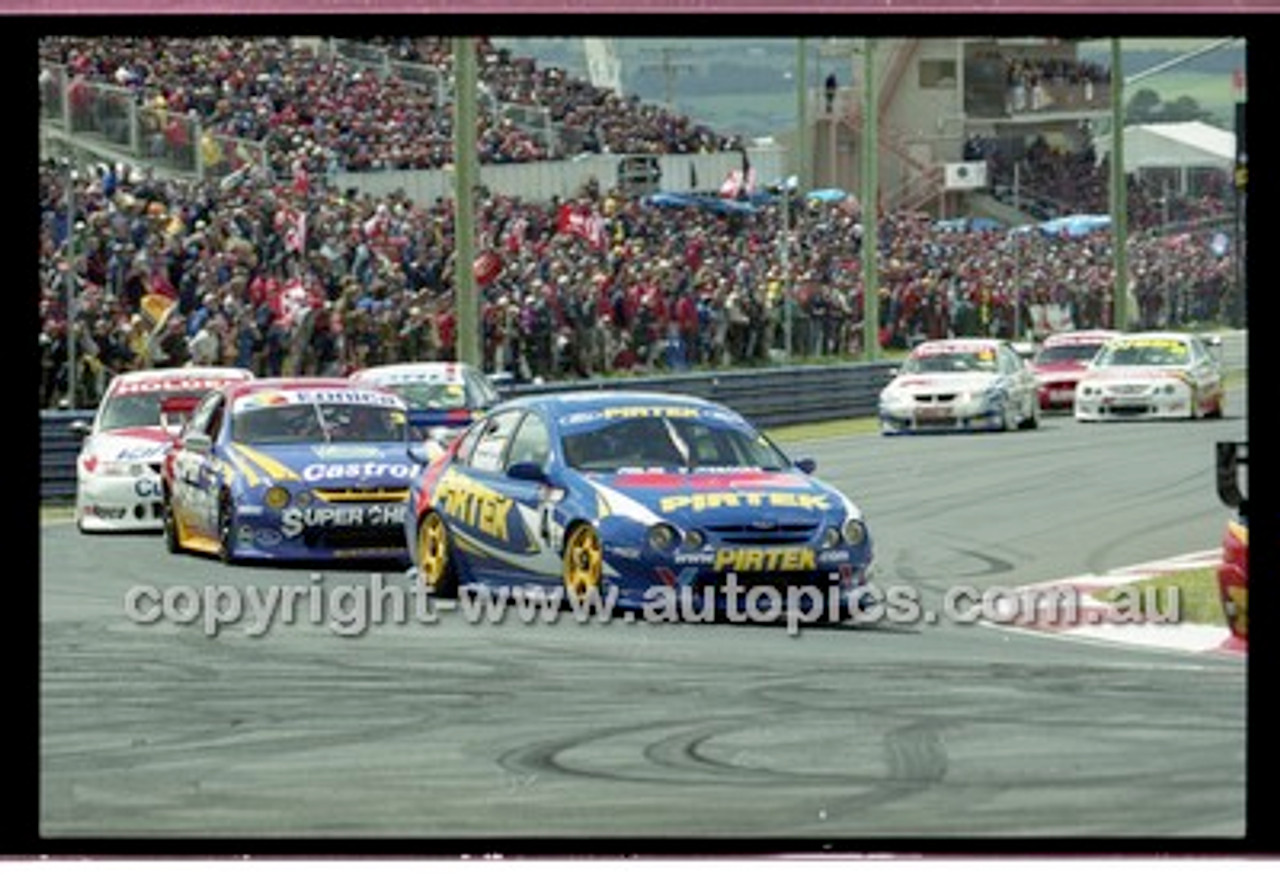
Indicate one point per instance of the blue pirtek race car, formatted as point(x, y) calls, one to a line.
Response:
point(633, 495)
point(290, 469)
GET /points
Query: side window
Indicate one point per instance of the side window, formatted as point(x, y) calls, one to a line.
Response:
point(468, 443)
point(216, 418)
point(201, 415)
point(491, 446)
point(1010, 361)
point(480, 391)
point(531, 444)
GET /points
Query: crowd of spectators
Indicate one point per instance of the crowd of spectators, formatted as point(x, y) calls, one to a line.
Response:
point(1056, 181)
point(319, 111)
point(370, 280)
point(1033, 82)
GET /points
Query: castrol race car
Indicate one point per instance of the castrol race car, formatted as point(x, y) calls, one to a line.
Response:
point(644, 498)
point(443, 397)
point(290, 469)
point(960, 384)
point(1151, 375)
point(1060, 363)
point(118, 467)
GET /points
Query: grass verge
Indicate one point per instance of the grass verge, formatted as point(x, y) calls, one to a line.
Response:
point(1188, 596)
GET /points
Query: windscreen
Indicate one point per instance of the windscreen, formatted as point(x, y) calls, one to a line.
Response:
point(1148, 352)
point(669, 442)
point(315, 422)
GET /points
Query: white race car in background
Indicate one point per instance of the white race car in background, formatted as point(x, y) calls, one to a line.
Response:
point(1154, 374)
point(118, 467)
point(960, 384)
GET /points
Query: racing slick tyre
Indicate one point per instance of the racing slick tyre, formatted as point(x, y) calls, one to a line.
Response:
point(226, 530)
point(1006, 422)
point(435, 562)
point(583, 563)
point(170, 526)
point(1032, 419)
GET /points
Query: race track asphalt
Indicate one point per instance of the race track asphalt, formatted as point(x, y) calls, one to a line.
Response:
point(461, 733)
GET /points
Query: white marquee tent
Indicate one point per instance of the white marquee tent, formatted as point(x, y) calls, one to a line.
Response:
point(1180, 146)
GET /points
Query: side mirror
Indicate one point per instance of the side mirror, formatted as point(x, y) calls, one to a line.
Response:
point(198, 442)
point(80, 428)
point(807, 465)
point(526, 471)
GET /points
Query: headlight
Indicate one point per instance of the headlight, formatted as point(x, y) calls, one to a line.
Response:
point(854, 531)
point(831, 537)
point(663, 537)
point(302, 499)
point(1169, 389)
point(277, 497)
point(694, 540)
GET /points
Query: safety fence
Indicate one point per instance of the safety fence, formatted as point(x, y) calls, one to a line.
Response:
point(769, 397)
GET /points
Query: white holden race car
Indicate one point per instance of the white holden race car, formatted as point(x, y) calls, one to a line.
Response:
point(960, 384)
point(1165, 375)
point(118, 467)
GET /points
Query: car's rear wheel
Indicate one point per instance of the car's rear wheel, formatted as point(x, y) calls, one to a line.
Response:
point(583, 562)
point(435, 560)
point(226, 530)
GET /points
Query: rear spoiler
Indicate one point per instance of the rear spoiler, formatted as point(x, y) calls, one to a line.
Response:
point(1230, 457)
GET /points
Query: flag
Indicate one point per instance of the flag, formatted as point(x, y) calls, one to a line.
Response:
point(583, 222)
point(292, 223)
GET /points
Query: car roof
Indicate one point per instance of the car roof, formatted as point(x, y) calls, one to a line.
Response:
point(423, 368)
point(585, 400)
point(941, 342)
point(267, 384)
point(1081, 336)
point(171, 378)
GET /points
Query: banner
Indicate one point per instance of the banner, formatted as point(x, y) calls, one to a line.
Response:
point(965, 175)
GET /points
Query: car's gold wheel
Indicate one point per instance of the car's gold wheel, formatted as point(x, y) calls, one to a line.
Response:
point(435, 565)
point(583, 562)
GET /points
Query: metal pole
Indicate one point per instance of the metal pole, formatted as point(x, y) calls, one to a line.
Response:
point(802, 122)
point(72, 358)
point(786, 268)
point(1017, 258)
point(1119, 196)
point(870, 208)
point(466, 310)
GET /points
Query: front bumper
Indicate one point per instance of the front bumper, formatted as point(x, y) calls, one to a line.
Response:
point(1058, 395)
point(321, 532)
point(119, 502)
point(1113, 405)
point(915, 418)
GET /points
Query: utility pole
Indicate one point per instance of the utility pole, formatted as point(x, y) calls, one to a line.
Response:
point(802, 116)
point(1119, 196)
point(466, 309)
point(870, 208)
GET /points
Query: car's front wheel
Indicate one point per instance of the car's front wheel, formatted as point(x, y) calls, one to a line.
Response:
point(583, 562)
point(435, 562)
point(226, 529)
point(169, 524)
